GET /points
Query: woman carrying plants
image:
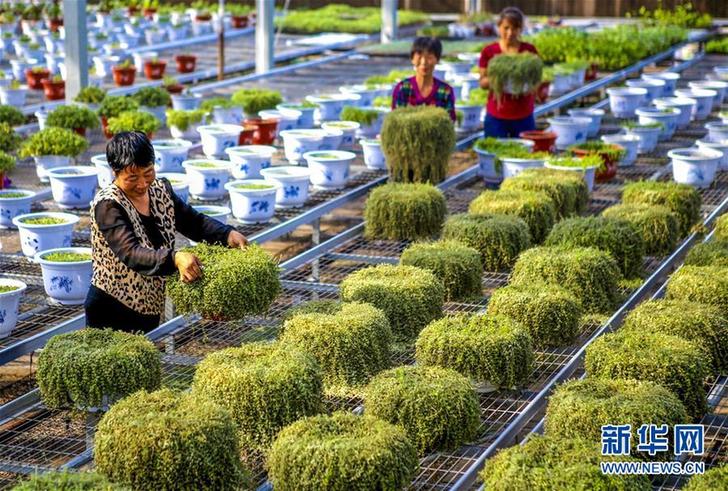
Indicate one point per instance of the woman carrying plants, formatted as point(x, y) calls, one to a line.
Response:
point(133, 225)
point(424, 88)
point(507, 115)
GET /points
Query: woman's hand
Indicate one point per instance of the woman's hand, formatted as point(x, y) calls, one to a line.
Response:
point(190, 268)
point(237, 240)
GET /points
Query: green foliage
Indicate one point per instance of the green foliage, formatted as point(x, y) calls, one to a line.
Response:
point(682, 199)
point(236, 283)
point(53, 141)
point(68, 481)
point(7, 163)
point(535, 208)
point(11, 115)
point(434, 31)
point(167, 440)
point(72, 117)
point(550, 312)
point(715, 478)
point(577, 162)
point(341, 452)
point(91, 95)
point(410, 297)
point(683, 15)
point(721, 228)
point(437, 407)
point(417, 141)
point(603, 149)
point(567, 189)
point(719, 46)
point(670, 361)
point(621, 239)
point(152, 97)
point(590, 274)
point(478, 96)
point(343, 18)
point(712, 253)
point(492, 349)
point(82, 368)
point(458, 266)
point(254, 100)
point(658, 226)
point(66, 257)
point(403, 211)
point(9, 139)
point(209, 104)
point(703, 284)
point(265, 386)
point(113, 105)
point(134, 121)
point(514, 73)
point(364, 117)
point(43, 220)
point(313, 307)
point(183, 119)
point(498, 238)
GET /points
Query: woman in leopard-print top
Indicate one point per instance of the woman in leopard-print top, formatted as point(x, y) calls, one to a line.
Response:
point(133, 225)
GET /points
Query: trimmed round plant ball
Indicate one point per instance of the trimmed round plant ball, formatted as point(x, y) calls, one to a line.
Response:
point(350, 345)
point(721, 228)
point(236, 283)
point(682, 199)
point(703, 325)
point(567, 189)
point(670, 361)
point(589, 274)
point(535, 208)
point(619, 238)
point(68, 481)
point(701, 284)
point(494, 350)
point(341, 452)
point(169, 440)
point(579, 408)
point(456, 265)
point(92, 368)
point(658, 225)
point(550, 313)
point(711, 253)
point(437, 407)
point(404, 212)
point(547, 464)
point(498, 238)
point(712, 480)
point(314, 307)
point(265, 386)
point(410, 297)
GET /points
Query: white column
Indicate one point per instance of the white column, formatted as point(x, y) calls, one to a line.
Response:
point(389, 21)
point(76, 45)
point(264, 35)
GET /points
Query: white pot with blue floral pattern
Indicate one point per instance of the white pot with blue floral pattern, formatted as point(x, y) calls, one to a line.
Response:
point(304, 112)
point(207, 178)
point(66, 273)
point(367, 93)
point(721, 146)
point(252, 200)
point(373, 154)
point(179, 182)
point(293, 181)
point(10, 293)
point(217, 137)
point(73, 187)
point(186, 102)
point(648, 133)
point(348, 130)
point(694, 166)
point(685, 105)
point(670, 79)
point(43, 231)
point(469, 116)
point(703, 101)
point(329, 168)
point(569, 130)
point(169, 154)
point(594, 114)
point(719, 86)
point(219, 213)
point(105, 174)
point(298, 142)
point(667, 117)
point(44, 163)
point(14, 202)
point(227, 115)
point(249, 160)
point(286, 121)
point(653, 87)
point(717, 131)
point(623, 101)
point(330, 106)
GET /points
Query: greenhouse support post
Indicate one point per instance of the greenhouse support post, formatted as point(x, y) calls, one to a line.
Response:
point(221, 40)
point(389, 21)
point(74, 15)
point(264, 35)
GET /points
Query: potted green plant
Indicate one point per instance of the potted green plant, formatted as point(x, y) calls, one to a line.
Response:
point(390, 213)
point(154, 68)
point(35, 77)
point(7, 163)
point(11, 115)
point(75, 118)
point(255, 100)
point(153, 100)
point(124, 73)
point(610, 154)
point(514, 74)
point(9, 139)
point(55, 16)
point(91, 97)
point(112, 106)
point(52, 147)
point(586, 166)
point(172, 85)
point(185, 62)
point(134, 121)
point(183, 124)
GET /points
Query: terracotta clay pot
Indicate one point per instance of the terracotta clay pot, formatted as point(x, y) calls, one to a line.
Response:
point(591, 72)
point(132, 10)
point(247, 135)
point(80, 131)
point(265, 130)
point(542, 93)
point(239, 21)
point(602, 175)
point(203, 18)
point(105, 127)
point(54, 24)
point(54, 91)
point(149, 12)
point(154, 70)
point(123, 76)
point(544, 140)
point(185, 63)
point(175, 89)
point(35, 78)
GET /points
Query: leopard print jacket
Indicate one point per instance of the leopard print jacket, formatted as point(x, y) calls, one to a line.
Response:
point(143, 294)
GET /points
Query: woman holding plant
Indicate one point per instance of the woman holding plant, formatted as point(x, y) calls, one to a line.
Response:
point(133, 226)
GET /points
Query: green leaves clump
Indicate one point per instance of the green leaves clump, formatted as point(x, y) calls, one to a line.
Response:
point(336, 17)
point(235, 283)
point(183, 119)
point(90, 95)
point(152, 97)
point(9, 139)
point(492, 349)
point(113, 105)
point(95, 367)
point(364, 117)
point(514, 73)
point(410, 297)
point(567, 189)
point(715, 478)
point(404, 211)
point(7, 163)
point(721, 227)
point(703, 284)
point(134, 121)
point(658, 226)
point(535, 208)
point(254, 100)
point(168, 440)
point(417, 141)
point(68, 481)
point(437, 407)
point(53, 141)
point(498, 238)
point(11, 115)
point(340, 452)
point(682, 199)
point(72, 117)
point(712, 253)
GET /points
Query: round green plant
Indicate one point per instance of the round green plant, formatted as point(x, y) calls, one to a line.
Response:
point(721, 227)
point(11, 115)
point(410, 297)
point(514, 74)
point(658, 225)
point(94, 367)
point(9, 139)
point(68, 481)
point(7, 163)
point(567, 189)
point(168, 440)
point(134, 121)
point(682, 199)
point(53, 141)
point(702, 284)
point(183, 119)
point(90, 95)
point(364, 117)
point(72, 117)
point(223, 102)
point(535, 208)
point(152, 97)
point(402, 211)
point(494, 350)
point(254, 100)
point(437, 407)
point(113, 105)
point(712, 479)
point(711, 253)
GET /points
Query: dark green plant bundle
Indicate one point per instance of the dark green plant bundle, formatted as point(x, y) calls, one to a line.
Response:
point(265, 386)
point(410, 297)
point(670, 361)
point(417, 141)
point(721, 227)
point(590, 274)
point(494, 350)
point(11, 115)
point(113, 105)
point(478, 96)
point(364, 117)
point(90, 95)
point(514, 74)
point(314, 307)
point(403, 211)
point(619, 238)
point(437, 407)
point(711, 253)
point(535, 208)
point(567, 189)
point(341, 452)
point(53, 141)
point(169, 440)
point(579, 408)
point(613, 152)
point(498, 238)
point(350, 345)
point(682, 199)
point(703, 325)
point(658, 225)
point(7, 163)
point(152, 97)
point(236, 283)
point(254, 100)
point(9, 139)
point(183, 119)
point(712, 479)
point(68, 481)
point(72, 117)
point(95, 367)
point(458, 266)
point(550, 312)
point(209, 104)
point(545, 464)
point(702, 284)
point(134, 121)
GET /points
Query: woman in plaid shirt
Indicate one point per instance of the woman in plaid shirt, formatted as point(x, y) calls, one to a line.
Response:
point(424, 88)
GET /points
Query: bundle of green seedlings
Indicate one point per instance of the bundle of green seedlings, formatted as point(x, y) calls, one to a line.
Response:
point(658, 225)
point(404, 211)
point(514, 74)
point(567, 189)
point(535, 208)
point(682, 199)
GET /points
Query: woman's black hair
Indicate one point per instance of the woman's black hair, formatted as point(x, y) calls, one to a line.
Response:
point(129, 148)
point(514, 15)
point(431, 45)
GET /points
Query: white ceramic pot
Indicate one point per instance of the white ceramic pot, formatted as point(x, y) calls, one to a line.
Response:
point(721, 72)
point(41, 116)
point(329, 106)
point(648, 138)
point(103, 64)
point(252, 200)
point(587, 172)
point(190, 133)
point(37, 237)
point(630, 143)
point(489, 167)
point(694, 166)
point(512, 167)
point(186, 102)
point(219, 213)
point(13, 97)
point(655, 88)
point(10, 207)
point(9, 303)
point(329, 168)
point(293, 184)
point(720, 146)
point(104, 172)
point(703, 101)
point(373, 154)
point(593, 114)
point(177, 33)
point(623, 101)
point(685, 105)
point(298, 142)
point(670, 79)
point(154, 37)
point(249, 160)
point(348, 129)
point(227, 115)
point(286, 121)
point(179, 182)
point(66, 282)
point(217, 137)
point(561, 84)
point(366, 94)
point(207, 178)
point(73, 187)
point(717, 131)
point(569, 130)
point(44, 163)
point(304, 114)
point(141, 57)
point(169, 154)
point(18, 68)
point(718, 86)
point(471, 117)
point(159, 112)
point(375, 127)
point(666, 117)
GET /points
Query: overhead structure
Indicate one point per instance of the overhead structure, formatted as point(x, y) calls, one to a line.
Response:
point(389, 21)
point(76, 45)
point(264, 35)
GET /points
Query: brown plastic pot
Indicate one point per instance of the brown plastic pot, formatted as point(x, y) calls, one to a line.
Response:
point(54, 91)
point(35, 78)
point(105, 127)
point(154, 70)
point(591, 72)
point(239, 21)
point(247, 135)
point(265, 130)
point(123, 76)
point(610, 170)
point(544, 141)
point(54, 24)
point(175, 89)
point(185, 63)
point(149, 12)
point(203, 18)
